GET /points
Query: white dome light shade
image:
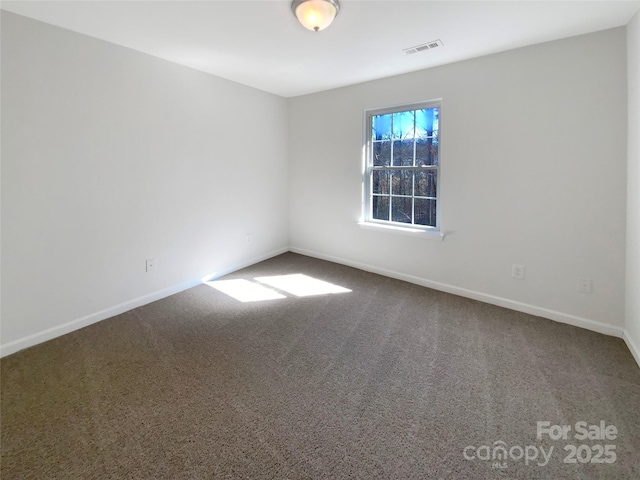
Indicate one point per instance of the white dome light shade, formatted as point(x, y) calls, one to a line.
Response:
point(315, 15)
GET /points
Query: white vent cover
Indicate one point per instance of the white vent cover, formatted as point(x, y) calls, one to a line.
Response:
point(425, 46)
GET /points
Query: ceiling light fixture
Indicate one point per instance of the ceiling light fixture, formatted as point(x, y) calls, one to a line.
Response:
point(315, 15)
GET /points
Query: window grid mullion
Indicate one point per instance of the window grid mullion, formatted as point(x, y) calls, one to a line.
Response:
point(413, 190)
point(391, 183)
point(413, 173)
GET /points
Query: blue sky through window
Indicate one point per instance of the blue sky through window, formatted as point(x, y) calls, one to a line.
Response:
point(401, 124)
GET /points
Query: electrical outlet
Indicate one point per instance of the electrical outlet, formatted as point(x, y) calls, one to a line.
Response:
point(584, 285)
point(517, 271)
point(248, 239)
point(151, 265)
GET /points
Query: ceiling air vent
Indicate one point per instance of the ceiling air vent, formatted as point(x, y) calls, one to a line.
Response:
point(425, 46)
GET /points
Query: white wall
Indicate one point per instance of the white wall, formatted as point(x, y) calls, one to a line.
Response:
point(533, 173)
point(632, 325)
point(110, 157)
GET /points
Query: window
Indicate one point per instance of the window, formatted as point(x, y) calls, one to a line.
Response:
point(403, 166)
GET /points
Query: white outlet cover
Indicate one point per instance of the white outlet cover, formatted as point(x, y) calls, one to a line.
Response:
point(151, 265)
point(517, 271)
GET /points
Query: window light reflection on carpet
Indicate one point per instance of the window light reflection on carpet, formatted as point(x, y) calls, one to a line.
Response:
point(244, 290)
point(301, 285)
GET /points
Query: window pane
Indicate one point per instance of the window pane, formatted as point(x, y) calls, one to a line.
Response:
point(401, 209)
point(426, 121)
point(380, 181)
point(426, 183)
point(403, 124)
point(401, 182)
point(426, 151)
point(381, 127)
point(403, 153)
point(380, 210)
point(381, 153)
point(425, 212)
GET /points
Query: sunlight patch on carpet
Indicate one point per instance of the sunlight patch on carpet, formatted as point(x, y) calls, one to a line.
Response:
point(244, 290)
point(301, 285)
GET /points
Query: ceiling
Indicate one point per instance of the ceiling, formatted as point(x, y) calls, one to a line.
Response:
point(261, 44)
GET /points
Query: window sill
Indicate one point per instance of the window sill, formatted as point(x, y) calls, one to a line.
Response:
point(410, 232)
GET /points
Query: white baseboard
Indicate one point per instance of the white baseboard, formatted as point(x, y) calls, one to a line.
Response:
point(576, 321)
point(633, 347)
point(53, 332)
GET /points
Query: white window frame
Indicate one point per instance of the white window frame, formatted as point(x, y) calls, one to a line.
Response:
point(390, 225)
